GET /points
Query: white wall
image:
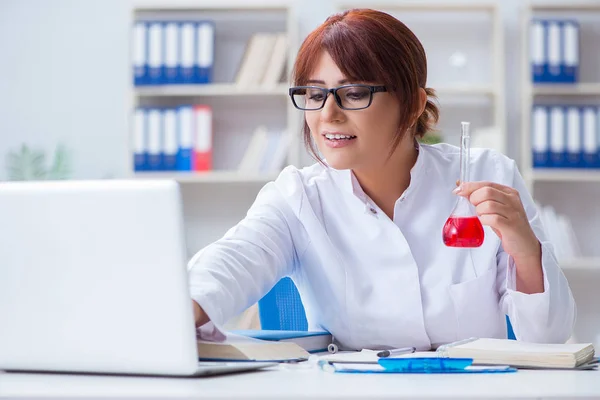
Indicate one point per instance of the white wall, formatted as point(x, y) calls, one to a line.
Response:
point(64, 76)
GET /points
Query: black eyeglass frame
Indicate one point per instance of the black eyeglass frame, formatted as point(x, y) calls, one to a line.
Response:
point(326, 91)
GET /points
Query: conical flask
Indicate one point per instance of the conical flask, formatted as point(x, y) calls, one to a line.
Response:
point(463, 228)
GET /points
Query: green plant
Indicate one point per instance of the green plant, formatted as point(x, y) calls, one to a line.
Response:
point(30, 164)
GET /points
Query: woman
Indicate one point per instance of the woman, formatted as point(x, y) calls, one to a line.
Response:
point(360, 231)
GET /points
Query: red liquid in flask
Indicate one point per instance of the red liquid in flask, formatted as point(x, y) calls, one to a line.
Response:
point(463, 232)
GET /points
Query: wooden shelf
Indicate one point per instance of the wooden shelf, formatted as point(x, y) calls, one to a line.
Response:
point(585, 263)
point(565, 175)
point(218, 89)
point(209, 177)
point(578, 89)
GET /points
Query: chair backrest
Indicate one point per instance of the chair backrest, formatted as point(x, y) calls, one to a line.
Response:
point(282, 309)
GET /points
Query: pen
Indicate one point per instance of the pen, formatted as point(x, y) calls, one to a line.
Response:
point(396, 352)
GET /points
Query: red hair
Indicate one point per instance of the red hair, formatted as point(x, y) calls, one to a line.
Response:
point(372, 46)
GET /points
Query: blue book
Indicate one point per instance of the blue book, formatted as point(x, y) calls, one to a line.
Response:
point(311, 341)
point(185, 138)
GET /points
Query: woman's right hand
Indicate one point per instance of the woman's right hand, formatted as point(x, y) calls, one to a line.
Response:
point(200, 316)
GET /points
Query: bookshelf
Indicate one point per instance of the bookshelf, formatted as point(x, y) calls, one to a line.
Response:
point(464, 43)
point(237, 110)
point(571, 190)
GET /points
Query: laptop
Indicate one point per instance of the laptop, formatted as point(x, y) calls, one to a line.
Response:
point(93, 279)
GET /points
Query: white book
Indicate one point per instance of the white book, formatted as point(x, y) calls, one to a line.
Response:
point(187, 49)
point(277, 61)
point(521, 354)
point(244, 74)
point(279, 157)
point(254, 152)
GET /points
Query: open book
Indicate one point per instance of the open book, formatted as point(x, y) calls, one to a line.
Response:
point(522, 354)
point(240, 348)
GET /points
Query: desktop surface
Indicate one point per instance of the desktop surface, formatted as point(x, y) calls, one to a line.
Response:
point(300, 382)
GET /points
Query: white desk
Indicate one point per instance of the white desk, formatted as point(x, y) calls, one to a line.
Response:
point(305, 384)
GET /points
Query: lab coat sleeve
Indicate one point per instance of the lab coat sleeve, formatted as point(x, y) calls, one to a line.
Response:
point(546, 317)
point(234, 272)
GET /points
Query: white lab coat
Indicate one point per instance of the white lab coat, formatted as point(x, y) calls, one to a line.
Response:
point(374, 282)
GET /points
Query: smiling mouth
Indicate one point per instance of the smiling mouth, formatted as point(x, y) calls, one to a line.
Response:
point(338, 136)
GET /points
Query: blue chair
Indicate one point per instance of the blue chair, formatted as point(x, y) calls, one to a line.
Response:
point(282, 309)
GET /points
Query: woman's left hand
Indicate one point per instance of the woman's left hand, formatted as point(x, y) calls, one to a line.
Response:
point(500, 207)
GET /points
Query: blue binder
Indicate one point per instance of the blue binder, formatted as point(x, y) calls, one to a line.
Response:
point(155, 53)
point(540, 136)
point(140, 146)
point(187, 46)
point(171, 52)
point(574, 147)
point(185, 136)
point(155, 129)
point(170, 142)
point(591, 137)
point(205, 37)
point(140, 53)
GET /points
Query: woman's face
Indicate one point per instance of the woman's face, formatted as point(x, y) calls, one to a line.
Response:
point(368, 134)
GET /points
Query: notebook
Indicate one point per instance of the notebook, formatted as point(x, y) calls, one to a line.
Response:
point(522, 354)
point(243, 348)
point(311, 341)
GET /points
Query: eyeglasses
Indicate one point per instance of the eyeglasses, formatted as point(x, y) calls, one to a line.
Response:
point(347, 97)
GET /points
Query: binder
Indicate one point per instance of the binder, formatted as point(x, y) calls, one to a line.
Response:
point(187, 38)
point(573, 145)
point(139, 140)
point(170, 143)
point(155, 53)
point(557, 137)
point(205, 38)
point(539, 137)
point(570, 43)
point(185, 138)
point(537, 51)
point(171, 51)
point(554, 61)
point(203, 138)
point(154, 139)
point(591, 137)
point(140, 53)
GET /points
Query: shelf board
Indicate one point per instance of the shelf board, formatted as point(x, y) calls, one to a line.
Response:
point(567, 89)
point(565, 175)
point(216, 89)
point(466, 89)
point(565, 7)
point(583, 263)
point(209, 177)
